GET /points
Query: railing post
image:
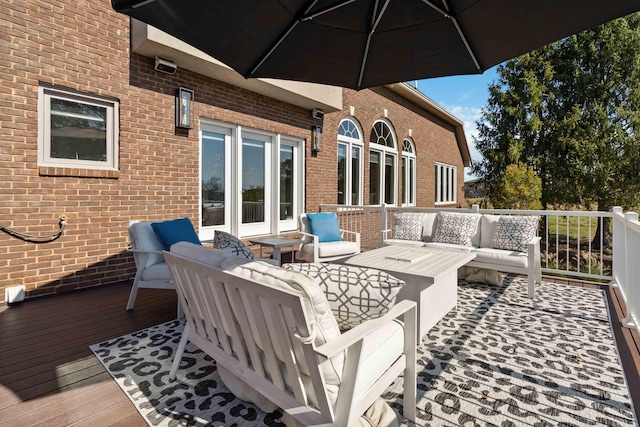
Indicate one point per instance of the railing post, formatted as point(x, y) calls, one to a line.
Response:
point(383, 221)
point(619, 248)
point(631, 294)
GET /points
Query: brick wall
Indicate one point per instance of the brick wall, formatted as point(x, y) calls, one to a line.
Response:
point(433, 138)
point(84, 46)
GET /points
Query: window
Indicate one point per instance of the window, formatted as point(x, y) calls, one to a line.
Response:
point(350, 168)
point(251, 180)
point(214, 170)
point(408, 173)
point(77, 130)
point(446, 183)
point(382, 165)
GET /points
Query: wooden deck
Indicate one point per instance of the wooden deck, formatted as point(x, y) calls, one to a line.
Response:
point(49, 377)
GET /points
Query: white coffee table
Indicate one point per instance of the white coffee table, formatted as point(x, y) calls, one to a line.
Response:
point(430, 275)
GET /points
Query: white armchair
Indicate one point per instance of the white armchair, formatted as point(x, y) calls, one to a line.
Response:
point(313, 249)
point(276, 343)
point(151, 270)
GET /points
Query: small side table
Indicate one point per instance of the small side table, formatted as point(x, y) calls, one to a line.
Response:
point(276, 243)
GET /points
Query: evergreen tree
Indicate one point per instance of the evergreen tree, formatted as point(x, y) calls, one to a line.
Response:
point(570, 110)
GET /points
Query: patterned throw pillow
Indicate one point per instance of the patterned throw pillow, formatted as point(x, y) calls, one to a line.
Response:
point(231, 244)
point(407, 226)
point(355, 294)
point(456, 228)
point(513, 232)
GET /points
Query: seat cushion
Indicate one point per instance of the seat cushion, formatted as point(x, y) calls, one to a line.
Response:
point(232, 245)
point(379, 351)
point(331, 249)
point(407, 226)
point(158, 271)
point(325, 226)
point(501, 257)
point(174, 231)
point(448, 246)
point(355, 294)
point(514, 231)
point(458, 228)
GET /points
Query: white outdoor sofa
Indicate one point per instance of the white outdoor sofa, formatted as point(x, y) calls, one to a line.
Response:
point(277, 343)
point(506, 243)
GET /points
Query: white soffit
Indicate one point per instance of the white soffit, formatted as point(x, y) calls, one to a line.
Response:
point(150, 42)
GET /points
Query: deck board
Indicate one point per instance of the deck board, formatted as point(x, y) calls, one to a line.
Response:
point(49, 376)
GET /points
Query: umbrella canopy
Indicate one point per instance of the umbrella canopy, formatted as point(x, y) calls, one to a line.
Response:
point(364, 43)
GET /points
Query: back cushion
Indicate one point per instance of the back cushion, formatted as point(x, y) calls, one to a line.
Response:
point(429, 224)
point(209, 256)
point(407, 226)
point(488, 224)
point(144, 238)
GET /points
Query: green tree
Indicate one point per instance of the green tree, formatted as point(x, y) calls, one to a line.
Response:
point(570, 110)
point(520, 189)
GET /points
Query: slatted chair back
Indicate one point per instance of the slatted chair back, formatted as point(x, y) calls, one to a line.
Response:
point(243, 324)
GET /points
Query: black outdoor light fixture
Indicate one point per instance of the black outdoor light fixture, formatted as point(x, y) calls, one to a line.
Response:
point(316, 132)
point(183, 108)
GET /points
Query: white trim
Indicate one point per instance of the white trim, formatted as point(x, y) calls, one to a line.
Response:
point(233, 182)
point(351, 144)
point(450, 173)
point(207, 232)
point(385, 151)
point(45, 94)
point(410, 175)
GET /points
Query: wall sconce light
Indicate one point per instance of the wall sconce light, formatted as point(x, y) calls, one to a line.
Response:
point(316, 132)
point(183, 108)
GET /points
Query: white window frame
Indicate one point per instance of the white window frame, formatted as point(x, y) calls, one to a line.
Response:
point(298, 187)
point(446, 194)
point(352, 143)
point(410, 173)
point(233, 184)
point(45, 94)
point(228, 137)
point(385, 151)
point(264, 227)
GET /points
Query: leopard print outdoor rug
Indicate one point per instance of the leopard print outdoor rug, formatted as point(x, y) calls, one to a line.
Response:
point(497, 359)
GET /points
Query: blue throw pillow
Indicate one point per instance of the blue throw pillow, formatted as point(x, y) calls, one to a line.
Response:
point(174, 231)
point(325, 226)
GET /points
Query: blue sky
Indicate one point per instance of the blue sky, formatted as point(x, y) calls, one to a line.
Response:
point(464, 97)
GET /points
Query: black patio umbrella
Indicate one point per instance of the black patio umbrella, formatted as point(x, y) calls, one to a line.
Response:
point(364, 43)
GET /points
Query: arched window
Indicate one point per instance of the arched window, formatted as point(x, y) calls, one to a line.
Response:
point(408, 173)
point(383, 160)
point(350, 159)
